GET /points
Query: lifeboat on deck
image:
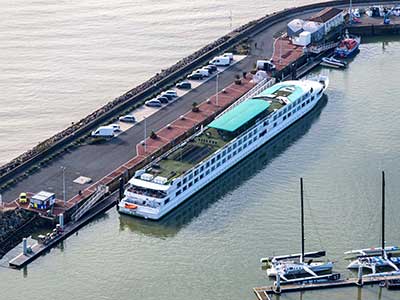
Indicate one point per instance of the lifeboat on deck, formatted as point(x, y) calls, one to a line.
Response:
point(130, 206)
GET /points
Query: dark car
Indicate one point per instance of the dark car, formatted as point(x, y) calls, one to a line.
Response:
point(169, 97)
point(185, 85)
point(163, 99)
point(212, 68)
point(195, 76)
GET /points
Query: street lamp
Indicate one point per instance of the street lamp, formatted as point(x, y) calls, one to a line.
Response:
point(63, 182)
point(217, 89)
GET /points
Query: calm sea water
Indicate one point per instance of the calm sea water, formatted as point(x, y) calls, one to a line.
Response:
point(210, 247)
point(60, 60)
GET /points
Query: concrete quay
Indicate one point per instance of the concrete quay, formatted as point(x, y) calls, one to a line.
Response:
point(106, 163)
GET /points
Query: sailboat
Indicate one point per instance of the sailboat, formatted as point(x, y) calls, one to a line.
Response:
point(297, 264)
point(369, 258)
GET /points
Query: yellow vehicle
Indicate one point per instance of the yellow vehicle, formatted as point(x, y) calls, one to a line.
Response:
point(23, 198)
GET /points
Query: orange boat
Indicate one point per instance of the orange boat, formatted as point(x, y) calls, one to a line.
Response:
point(130, 206)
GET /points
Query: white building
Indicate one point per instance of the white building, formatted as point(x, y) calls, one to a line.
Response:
point(330, 18)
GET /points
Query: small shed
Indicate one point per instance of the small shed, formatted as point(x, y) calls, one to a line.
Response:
point(295, 27)
point(43, 200)
point(304, 39)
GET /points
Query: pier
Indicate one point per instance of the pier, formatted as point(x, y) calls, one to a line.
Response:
point(122, 156)
point(264, 293)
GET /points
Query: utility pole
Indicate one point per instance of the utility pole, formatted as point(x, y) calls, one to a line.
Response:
point(217, 94)
point(63, 182)
point(230, 18)
point(145, 135)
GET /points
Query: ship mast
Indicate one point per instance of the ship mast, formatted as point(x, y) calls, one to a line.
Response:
point(383, 214)
point(302, 220)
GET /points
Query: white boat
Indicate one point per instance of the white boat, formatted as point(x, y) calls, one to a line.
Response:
point(333, 62)
point(279, 266)
point(169, 180)
point(371, 260)
point(372, 251)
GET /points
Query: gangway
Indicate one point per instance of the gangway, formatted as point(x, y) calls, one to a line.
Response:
point(101, 190)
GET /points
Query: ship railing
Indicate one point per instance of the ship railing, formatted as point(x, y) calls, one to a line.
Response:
point(260, 87)
point(320, 48)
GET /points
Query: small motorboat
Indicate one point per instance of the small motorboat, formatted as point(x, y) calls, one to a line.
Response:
point(348, 46)
point(333, 63)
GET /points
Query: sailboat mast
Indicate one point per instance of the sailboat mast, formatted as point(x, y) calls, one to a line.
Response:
point(302, 219)
point(383, 213)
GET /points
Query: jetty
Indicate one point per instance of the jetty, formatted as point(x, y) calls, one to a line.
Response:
point(68, 165)
point(265, 293)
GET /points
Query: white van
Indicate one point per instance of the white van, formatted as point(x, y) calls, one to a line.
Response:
point(220, 61)
point(172, 93)
point(229, 55)
point(103, 131)
point(202, 71)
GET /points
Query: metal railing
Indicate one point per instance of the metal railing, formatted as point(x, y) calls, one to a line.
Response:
point(101, 190)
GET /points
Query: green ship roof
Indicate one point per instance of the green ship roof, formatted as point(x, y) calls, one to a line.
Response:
point(240, 115)
point(294, 95)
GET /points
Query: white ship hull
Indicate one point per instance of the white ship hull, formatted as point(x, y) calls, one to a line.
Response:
point(157, 213)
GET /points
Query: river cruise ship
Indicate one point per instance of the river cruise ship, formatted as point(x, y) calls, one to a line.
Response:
point(172, 178)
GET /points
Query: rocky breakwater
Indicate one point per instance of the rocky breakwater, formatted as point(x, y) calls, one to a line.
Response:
point(16, 224)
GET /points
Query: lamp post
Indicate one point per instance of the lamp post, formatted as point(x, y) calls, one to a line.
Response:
point(217, 95)
point(63, 182)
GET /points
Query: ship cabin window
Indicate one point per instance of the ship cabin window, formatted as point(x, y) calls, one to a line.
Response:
point(234, 146)
point(218, 164)
point(279, 114)
point(201, 176)
point(196, 172)
point(239, 149)
point(266, 123)
point(201, 168)
point(190, 176)
point(218, 156)
point(302, 105)
point(184, 188)
point(284, 110)
point(207, 164)
point(223, 160)
point(234, 153)
point(179, 184)
point(240, 142)
point(308, 101)
point(178, 193)
point(212, 168)
point(275, 124)
point(207, 172)
point(184, 180)
point(275, 116)
point(254, 139)
point(223, 152)
point(284, 118)
point(229, 156)
point(166, 201)
point(289, 114)
point(195, 180)
point(312, 98)
point(263, 133)
point(213, 160)
point(190, 184)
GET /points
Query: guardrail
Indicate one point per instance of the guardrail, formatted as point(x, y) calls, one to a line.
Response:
point(249, 29)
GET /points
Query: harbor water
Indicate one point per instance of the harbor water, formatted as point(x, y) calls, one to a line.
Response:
point(210, 247)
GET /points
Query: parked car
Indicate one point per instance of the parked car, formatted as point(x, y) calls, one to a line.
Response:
point(229, 55)
point(184, 85)
point(210, 70)
point(163, 99)
point(195, 76)
point(116, 127)
point(168, 96)
point(23, 198)
point(212, 67)
point(170, 92)
point(127, 119)
point(153, 103)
